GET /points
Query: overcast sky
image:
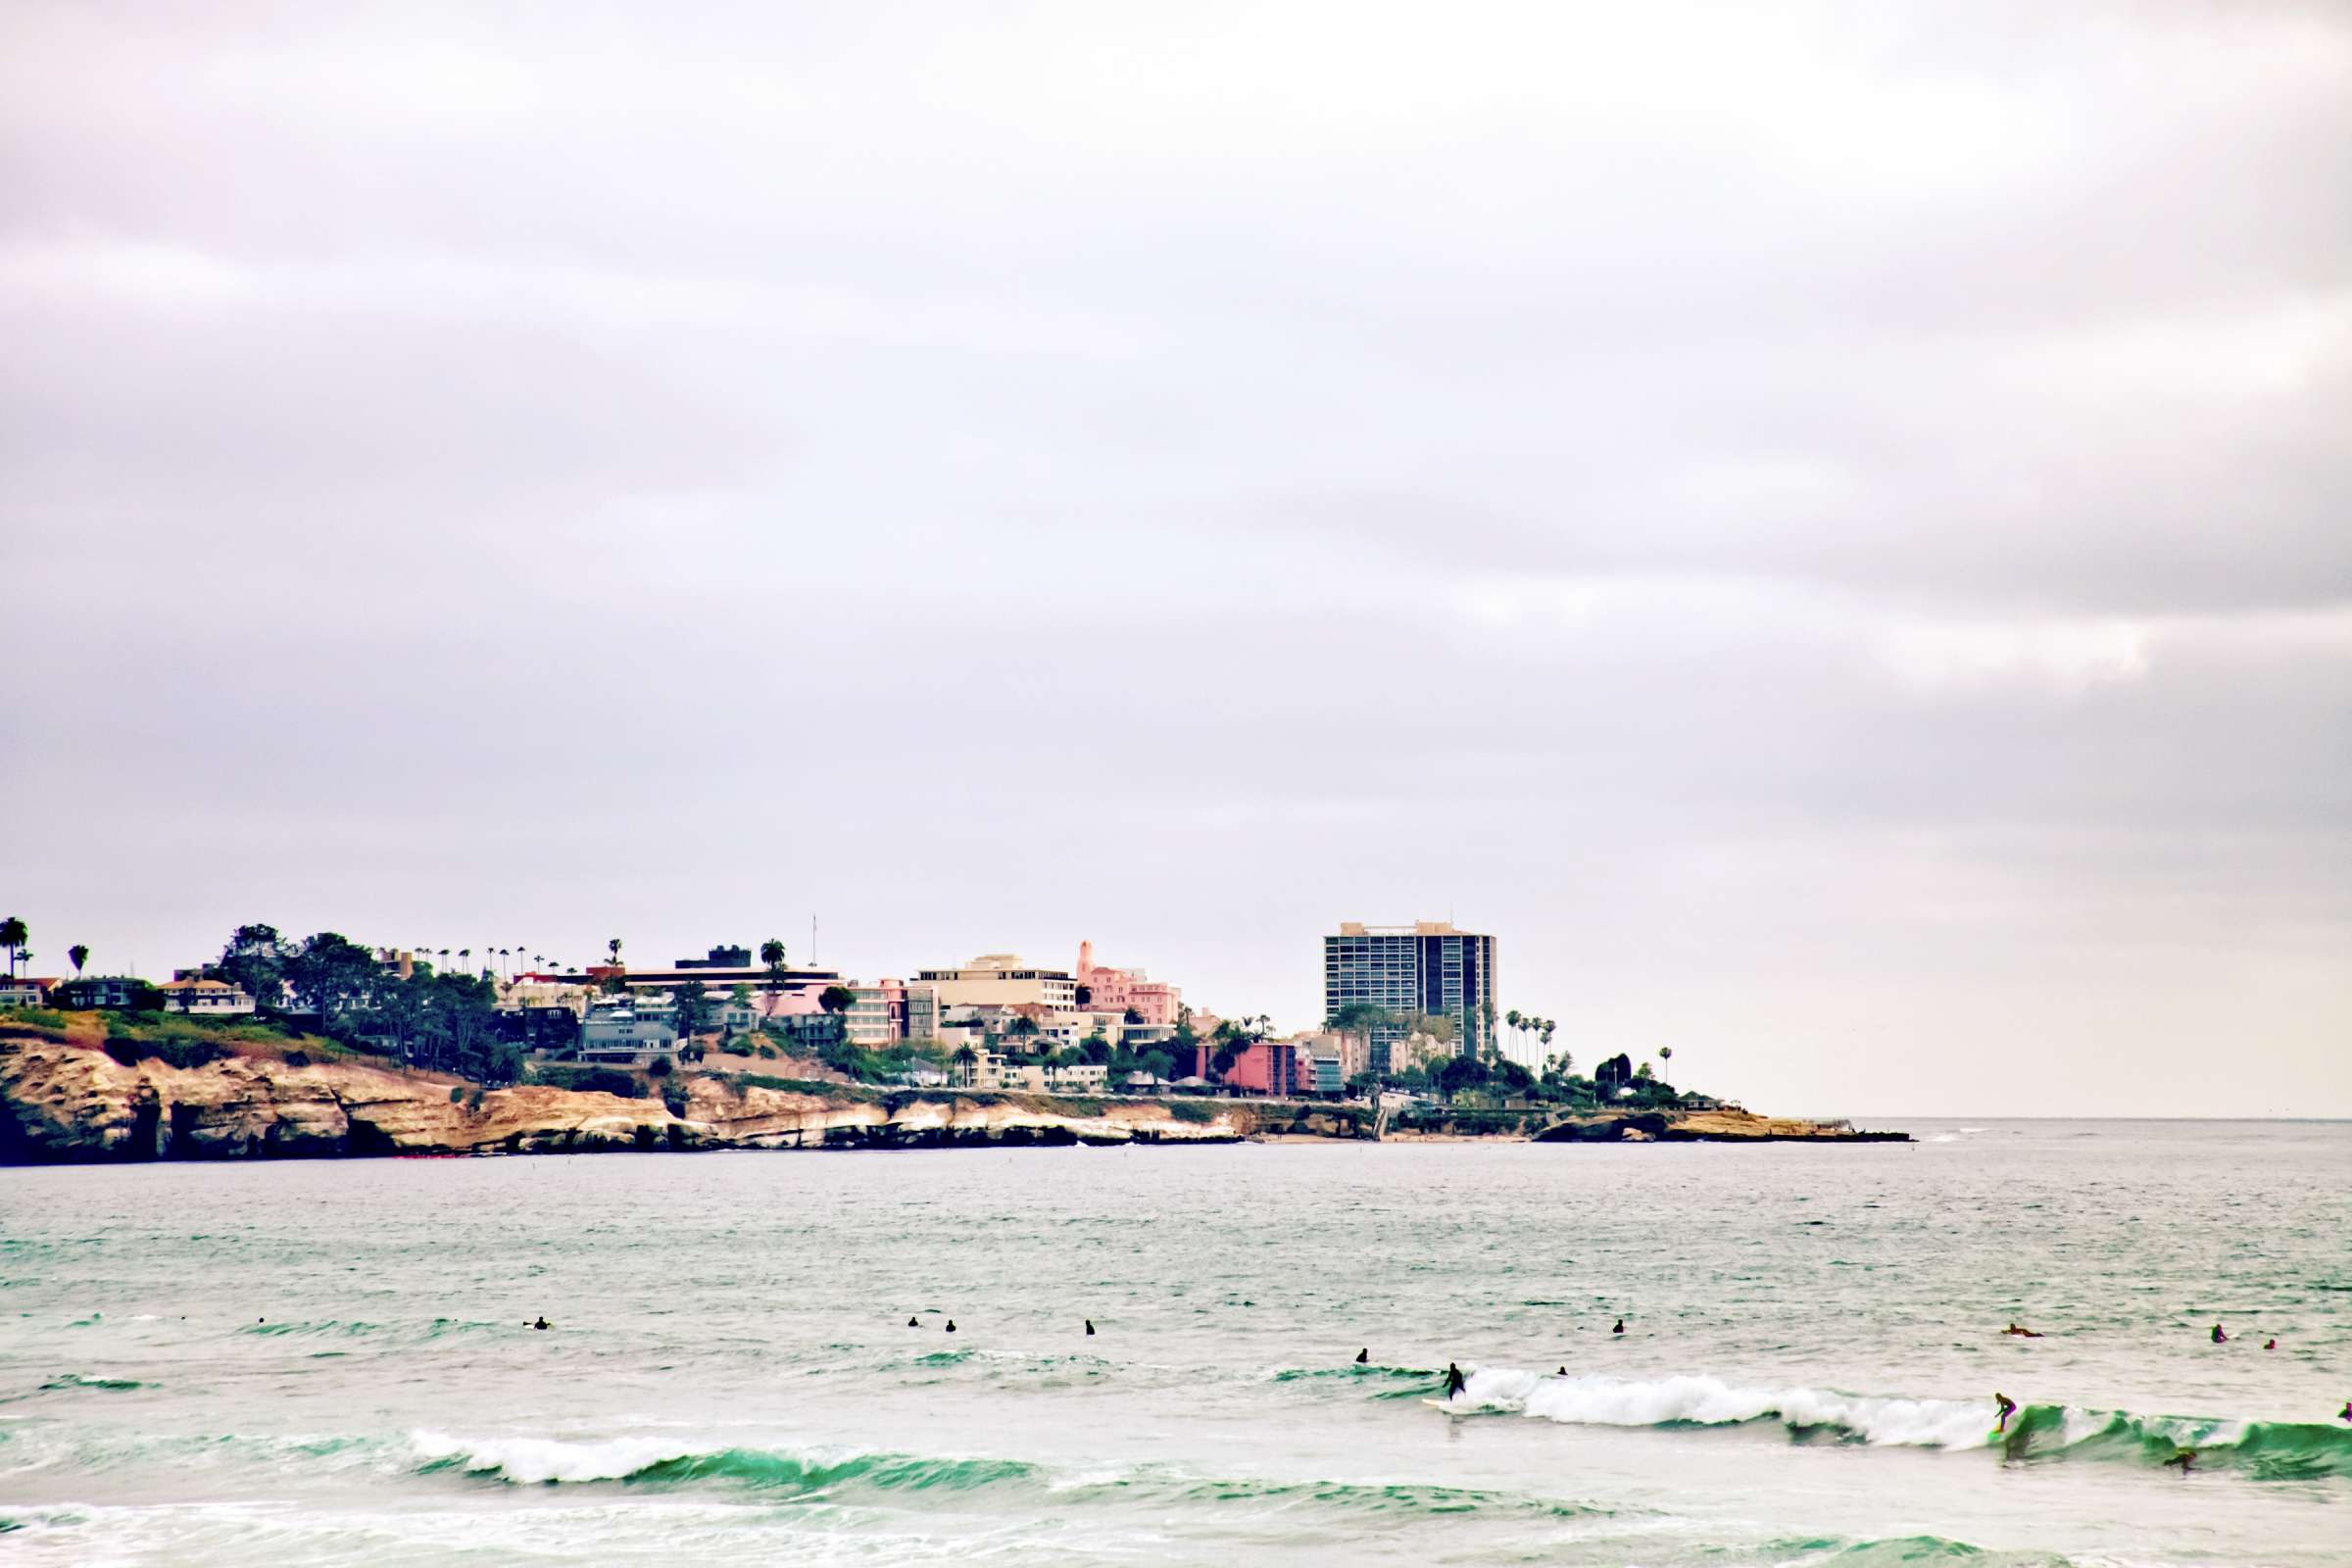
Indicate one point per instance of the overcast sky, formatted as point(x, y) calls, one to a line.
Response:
point(1827, 530)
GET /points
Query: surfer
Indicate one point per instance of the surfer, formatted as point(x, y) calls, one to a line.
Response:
point(950, 1325)
point(913, 1324)
point(1363, 1356)
point(2219, 1337)
point(1090, 1325)
point(2345, 1414)
point(542, 1324)
point(1563, 1372)
point(1455, 1383)
point(2008, 1409)
point(2270, 1345)
point(2021, 1333)
point(2184, 1457)
point(1620, 1328)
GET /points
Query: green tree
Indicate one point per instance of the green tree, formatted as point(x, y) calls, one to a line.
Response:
point(838, 998)
point(79, 952)
point(1461, 1073)
point(694, 1009)
point(330, 975)
point(612, 946)
point(14, 934)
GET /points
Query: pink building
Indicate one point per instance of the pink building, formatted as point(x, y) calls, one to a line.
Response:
point(1120, 990)
point(1266, 1068)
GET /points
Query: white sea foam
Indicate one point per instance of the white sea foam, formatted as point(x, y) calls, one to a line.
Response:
point(537, 1459)
point(1711, 1401)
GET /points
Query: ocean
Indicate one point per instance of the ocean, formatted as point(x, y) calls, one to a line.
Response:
point(333, 1363)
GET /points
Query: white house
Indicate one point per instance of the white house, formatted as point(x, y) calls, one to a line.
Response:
point(206, 999)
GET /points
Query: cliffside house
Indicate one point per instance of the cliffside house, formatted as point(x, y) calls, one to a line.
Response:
point(206, 999)
point(86, 993)
point(628, 1035)
point(24, 991)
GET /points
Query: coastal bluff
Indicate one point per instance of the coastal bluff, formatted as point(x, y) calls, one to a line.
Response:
point(63, 1103)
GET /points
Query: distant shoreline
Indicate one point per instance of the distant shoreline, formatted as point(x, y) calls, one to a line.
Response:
point(64, 1101)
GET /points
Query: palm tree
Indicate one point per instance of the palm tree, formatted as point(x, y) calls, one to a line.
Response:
point(614, 947)
point(1666, 1056)
point(771, 953)
point(79, 952)
point(13, 936)
point(445, 960)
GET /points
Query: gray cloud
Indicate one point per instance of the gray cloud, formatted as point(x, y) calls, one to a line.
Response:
point(1823, 529)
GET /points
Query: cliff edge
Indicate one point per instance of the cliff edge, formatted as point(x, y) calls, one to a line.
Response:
point(61, 1101)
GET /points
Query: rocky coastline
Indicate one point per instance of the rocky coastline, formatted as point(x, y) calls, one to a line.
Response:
point(63, 1101)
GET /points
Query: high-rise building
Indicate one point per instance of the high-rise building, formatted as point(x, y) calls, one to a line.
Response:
point(1425, 968)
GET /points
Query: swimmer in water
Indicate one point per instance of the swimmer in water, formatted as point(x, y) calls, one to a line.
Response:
point(2008, 1409)
point(1455, 1383)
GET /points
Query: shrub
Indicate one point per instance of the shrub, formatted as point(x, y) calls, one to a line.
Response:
point(593, 1080)
point(456, 1095)
point(298, 1058)
point(130, 1051)
point(659, 1067)
point(673, 1098)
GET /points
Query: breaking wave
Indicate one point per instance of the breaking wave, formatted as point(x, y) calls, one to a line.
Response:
point(670, 1463)
point(2266, 1449)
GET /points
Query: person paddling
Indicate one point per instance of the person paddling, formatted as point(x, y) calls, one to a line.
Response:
point(1455, 1383)
point(2021, 1333)
point(2008, 1409)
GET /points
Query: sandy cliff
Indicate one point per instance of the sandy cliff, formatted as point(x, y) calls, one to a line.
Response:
point(62, 1102)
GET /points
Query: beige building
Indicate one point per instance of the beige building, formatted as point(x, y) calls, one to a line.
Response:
point(1002, 980)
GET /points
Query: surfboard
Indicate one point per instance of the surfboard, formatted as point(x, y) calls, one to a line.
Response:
point(1446, 1405)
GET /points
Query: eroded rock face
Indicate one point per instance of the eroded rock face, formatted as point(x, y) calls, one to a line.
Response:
point(62, 1102)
